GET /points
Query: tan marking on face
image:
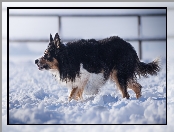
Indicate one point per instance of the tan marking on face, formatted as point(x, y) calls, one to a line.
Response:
point(42, 61)
point(115, 79)
point(52, 65)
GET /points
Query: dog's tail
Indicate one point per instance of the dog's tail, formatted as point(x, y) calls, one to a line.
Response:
point(151, 68)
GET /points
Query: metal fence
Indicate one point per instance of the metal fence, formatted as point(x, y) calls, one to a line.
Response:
point(60, 16)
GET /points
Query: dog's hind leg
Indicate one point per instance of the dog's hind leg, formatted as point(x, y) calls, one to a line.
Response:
point(122, 88)
point(136, 87)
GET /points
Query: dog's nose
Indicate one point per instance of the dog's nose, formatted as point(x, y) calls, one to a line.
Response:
point(36, 61)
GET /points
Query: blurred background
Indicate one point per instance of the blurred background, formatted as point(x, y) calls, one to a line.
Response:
point(29, 29)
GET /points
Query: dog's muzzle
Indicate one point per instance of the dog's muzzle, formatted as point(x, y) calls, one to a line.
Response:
point(37, 63)
point(40, 65)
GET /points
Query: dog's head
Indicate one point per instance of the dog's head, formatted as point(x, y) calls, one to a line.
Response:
point(48, 60)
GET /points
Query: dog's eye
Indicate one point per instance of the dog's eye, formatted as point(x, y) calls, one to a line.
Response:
point(45, 56)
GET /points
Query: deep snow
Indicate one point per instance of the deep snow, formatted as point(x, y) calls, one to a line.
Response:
point(35, 97)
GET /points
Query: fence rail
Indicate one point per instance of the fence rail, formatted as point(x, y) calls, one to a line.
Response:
point(72, 39)
point(59, 16)
point(87, 15)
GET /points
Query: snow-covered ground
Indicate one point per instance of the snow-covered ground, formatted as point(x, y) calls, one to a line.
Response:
point(35, 97)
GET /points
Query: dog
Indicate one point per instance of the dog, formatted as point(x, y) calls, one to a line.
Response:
point(109, 58)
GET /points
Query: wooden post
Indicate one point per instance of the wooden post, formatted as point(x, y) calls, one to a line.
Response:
point(59, 25)
point(140, 49)
point(139, 35)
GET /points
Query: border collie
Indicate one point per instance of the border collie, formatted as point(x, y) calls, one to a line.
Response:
point(113, 58)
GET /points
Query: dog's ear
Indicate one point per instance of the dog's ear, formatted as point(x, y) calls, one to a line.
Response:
point(57, 40)
point(51, 38)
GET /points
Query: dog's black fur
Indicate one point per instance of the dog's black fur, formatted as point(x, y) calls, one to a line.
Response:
point(101, 56)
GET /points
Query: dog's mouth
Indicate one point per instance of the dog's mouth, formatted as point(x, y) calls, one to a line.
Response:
point(46, 67)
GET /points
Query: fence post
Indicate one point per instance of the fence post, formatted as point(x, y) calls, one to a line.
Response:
point(139, 35)
point(59, 26)
point(140, 49)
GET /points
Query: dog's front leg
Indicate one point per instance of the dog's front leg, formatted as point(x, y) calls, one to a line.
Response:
point(73, 94)
point(80, 93)
point(76, 93)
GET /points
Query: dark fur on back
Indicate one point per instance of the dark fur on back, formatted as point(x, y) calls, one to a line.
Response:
point(96, 57)
point(101, 56)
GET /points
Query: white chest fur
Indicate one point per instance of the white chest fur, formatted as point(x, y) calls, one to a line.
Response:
point(89, 81)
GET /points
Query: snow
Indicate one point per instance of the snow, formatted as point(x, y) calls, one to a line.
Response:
point(35, 97)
